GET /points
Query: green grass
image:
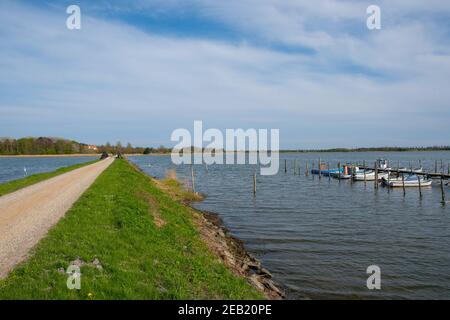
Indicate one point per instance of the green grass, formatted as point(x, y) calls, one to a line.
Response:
point(114, 221)
point(15, 185)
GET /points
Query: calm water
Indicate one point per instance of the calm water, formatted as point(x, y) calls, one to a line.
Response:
point(13, 168)
point(318, 237)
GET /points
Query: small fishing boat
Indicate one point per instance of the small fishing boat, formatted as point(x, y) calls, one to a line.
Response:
point(369, 176)
point(410, 181)
point(383, 164)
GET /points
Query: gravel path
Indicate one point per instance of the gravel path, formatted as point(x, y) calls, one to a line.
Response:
point(27, 214)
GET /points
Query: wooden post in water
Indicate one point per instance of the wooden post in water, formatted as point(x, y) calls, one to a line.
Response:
point(389, 181)
point(285, 165)
point(320, 171)
point(420, 186)
point(365, 180)
point(254, 184)
point(312, 167)
point(442, 190)
point(192, 178)
point(376, 176)
point(339, 172)
point(329, 175)
point(435, 166)
point(398, 168)
point(306, 170)
point(403, 184)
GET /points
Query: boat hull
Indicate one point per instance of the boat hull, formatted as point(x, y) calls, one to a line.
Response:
point(370, 176)
point(326, 172)
point(409, 182)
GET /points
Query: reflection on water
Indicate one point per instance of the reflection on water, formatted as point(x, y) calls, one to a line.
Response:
point(318, 236)
point(13, 168)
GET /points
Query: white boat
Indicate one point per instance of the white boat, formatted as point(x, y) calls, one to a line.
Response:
point(411, 181)
point(383, 164)
point(369, 176)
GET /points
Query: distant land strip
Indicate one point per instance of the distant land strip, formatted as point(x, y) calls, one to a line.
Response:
point(50, 146)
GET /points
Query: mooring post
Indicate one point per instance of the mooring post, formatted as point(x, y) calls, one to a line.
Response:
point(192, 178)
point(285, 165)
point(376, 176)
point(254, 184)
point(398, 168)
point(320, 169)
point(306, 169)
point(420, 186)
point(389, 181)
point(403, 184)
point(329, 173)
point(365, 180)
point(339, 172)
point(442, 190)
point(312, 167)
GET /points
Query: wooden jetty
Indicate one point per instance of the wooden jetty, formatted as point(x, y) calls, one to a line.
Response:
point(399, 171)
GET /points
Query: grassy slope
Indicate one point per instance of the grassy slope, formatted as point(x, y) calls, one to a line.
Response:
point(15, 185)
point(114, 222)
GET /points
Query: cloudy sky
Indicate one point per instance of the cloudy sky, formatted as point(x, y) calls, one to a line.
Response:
point(137, 70)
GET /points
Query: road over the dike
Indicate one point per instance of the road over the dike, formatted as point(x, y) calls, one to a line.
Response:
point(27, 214)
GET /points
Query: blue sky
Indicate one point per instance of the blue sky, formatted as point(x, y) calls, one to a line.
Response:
point(137, 70)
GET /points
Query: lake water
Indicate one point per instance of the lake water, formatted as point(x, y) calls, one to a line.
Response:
point(318, 236)
point(13, 168)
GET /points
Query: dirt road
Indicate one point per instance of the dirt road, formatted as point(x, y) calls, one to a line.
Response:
point(27, 214)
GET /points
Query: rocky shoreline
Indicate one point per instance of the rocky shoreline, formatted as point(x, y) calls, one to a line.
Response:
point(233, 254)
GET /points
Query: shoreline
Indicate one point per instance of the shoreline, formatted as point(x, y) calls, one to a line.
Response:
point(228, 248)
point(233, 254)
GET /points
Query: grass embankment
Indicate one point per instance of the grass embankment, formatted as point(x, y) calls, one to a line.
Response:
point(144, 238)
point(15, 185)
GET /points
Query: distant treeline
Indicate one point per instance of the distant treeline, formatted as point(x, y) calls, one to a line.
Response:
point(46, 145)
point(129, 149)
point(385, 149)
point(42, 145)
